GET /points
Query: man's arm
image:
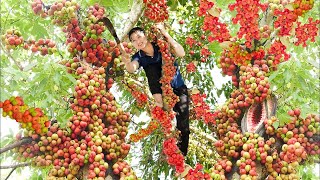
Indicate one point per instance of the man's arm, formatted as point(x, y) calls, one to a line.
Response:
point(131, 66)
point(178, 49)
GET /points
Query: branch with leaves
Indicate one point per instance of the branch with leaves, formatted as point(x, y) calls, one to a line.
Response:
point(16, 144)
point(12, 58)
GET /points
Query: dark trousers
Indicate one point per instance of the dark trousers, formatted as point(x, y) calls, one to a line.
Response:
point(182, 116)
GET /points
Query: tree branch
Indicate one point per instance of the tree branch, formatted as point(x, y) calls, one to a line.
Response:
point(12, 58)
point(15, 165)
point(134, 15)
point(10, 173)
point(16, 144)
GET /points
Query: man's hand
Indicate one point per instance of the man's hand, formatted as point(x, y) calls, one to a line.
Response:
point(160, 26)
point(165, 106)
point(125, 57)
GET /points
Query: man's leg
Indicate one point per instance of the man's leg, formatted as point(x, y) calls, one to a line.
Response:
point(182, 116)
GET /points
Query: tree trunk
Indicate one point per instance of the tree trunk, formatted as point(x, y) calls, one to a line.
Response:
point(261, 171)
point(134, 15)
point(83, 172)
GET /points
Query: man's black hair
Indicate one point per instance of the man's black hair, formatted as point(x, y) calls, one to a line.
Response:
point(133, 30)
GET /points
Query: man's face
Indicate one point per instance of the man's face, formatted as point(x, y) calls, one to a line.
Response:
point(139, 40)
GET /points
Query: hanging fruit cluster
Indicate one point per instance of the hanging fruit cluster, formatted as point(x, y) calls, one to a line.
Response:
point(94, 134)
point(137, 92)
point(174, 156)
point(191, 67)
point(196, 173)
point(12, 39)
point(61, 13)
point(218, 31)
point(168, 72)
point(254, 84)
point(298, 142)
point(221, 167)
point(156, 10)
point(44, 46)
point(164, 118)
point(37, 7)
point(83, 38)
point(196, 47)
point(123, 169)
point(248, 19)
point(152, 126)
point(201, 108)
point(277, 53)
point(306, 32)
point(31, 119)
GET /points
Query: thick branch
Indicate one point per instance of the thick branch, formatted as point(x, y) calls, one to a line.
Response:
point(16, 144)
point(110, 174)
point(134, 15)
point(83, 173)
point(15, 165)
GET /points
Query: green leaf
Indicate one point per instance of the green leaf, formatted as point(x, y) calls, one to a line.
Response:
point(105, 3)
point(283, 118)
point(5, 141)
point(215, 47)
point(121, 6)
point(39, 31)
point(70, 78)
point(276, 124)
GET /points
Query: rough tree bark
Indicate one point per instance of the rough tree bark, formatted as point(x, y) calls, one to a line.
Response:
point(15, 165)
point(134, 15)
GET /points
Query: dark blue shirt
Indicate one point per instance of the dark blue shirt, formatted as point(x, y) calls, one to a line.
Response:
point(153, 66)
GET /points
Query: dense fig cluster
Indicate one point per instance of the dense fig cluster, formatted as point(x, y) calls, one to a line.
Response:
point(156, 10)
point(174, 156)
point(195, 174)
point(38, 8)
point(31, 119)
point(307, 31)
point(201, 108)
point(247, 16)
point(152, 126)
point(168, 72)
point(136, 91)
point(254, 84)
point(191, 67)
point(12, 39)
point(95, 134)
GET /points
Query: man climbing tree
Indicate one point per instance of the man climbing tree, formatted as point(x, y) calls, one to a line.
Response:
point(149, 57)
